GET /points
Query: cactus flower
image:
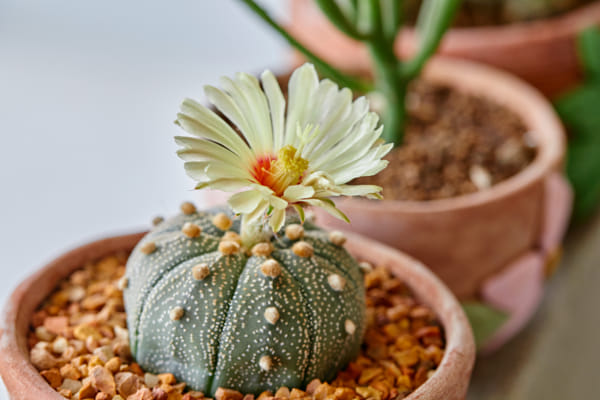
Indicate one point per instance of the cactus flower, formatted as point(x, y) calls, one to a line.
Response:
point(294, 153)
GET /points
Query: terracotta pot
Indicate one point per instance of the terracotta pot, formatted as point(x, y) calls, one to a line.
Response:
point(23, 382)
point(541, 52)
point(493, 244)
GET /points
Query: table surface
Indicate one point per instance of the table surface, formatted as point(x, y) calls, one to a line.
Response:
point(88, 93)
point(556, 356)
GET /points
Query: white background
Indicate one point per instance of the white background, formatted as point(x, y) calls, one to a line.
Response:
point(88, 94)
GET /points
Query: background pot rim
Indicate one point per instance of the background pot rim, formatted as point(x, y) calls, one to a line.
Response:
point(23, 381)
point(459, 39)
point(504, 89)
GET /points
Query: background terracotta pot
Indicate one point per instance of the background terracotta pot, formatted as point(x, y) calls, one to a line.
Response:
point(493, 244)
point(541, 52)
point(23, 382)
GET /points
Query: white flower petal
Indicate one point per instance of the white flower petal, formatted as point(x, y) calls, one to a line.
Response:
point(370, 164)
point(196, 170)
point(245, 91)
point(366, 167)
point(358, 142)
point(277, 220)
point(259, 211)
point(328, 206)
point(195, 149)
point(359, 190)
point(303, 83)
point(226, 104)
point(224, 184)
point(214, 170)
point(276, 106)
point(245, 202)
point(198, 120)
point(331, 113)
point(352, 115)
point(298, 192)
point(277, 202)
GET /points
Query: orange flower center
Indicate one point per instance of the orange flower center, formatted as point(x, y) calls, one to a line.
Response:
point(280, 171)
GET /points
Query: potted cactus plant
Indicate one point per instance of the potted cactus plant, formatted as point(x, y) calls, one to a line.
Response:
point(297, 283)
point(491, 244)
point(534, 40)
point(247, 299)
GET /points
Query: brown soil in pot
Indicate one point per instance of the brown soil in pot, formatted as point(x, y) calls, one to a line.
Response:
point(454, 144)
point(499, 12)
point(78, 342)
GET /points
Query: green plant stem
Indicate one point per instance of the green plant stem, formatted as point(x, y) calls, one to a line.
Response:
point(393, 87)
point(388, 80)
point(336, 16)
point(392, 16)
point(252, 232)
point(324, 68)
point(434, 19)
point(588, 44)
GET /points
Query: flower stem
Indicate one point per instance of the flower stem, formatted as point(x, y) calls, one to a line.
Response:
point(252, 232)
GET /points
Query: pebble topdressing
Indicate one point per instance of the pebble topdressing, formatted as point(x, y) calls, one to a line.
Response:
point(79, 343)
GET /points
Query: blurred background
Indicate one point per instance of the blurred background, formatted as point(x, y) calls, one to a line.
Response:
point(88, 96)
point(88, 93)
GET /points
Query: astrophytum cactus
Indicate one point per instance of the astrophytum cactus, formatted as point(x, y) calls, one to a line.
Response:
point(215, 314)
point(265, 301)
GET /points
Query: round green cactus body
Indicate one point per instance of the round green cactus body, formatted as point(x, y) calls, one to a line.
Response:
point(217, 315)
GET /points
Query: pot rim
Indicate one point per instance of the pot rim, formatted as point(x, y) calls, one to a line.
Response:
point(553, 28)
point(23, 380)
point(459, 355)
point(504, 89)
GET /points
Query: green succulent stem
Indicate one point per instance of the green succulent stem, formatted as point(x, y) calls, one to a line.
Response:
point(388, 80)
point(253, 232)
point(335, 14)
point(376, 24)
point(435, 16)
point(393, 88)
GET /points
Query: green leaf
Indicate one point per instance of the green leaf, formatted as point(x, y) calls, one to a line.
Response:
point(391, 17)
point(349, 8)
point(337, 17)
point(484, 319)
point(300, 212)
point(434, 19)
point(580, 112)
point(589, 52)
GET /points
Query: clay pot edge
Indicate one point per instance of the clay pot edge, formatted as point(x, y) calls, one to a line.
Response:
point(15, 367)
point(23, 381)
point(568, 24)
point(460, 351)
point(501, 87)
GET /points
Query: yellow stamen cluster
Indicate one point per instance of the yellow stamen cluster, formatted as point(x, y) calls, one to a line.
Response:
point(288, 169)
